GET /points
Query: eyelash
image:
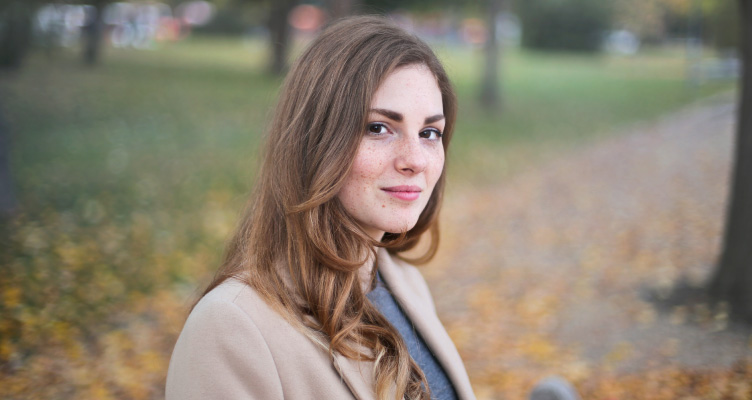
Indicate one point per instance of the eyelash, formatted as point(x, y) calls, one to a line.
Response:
point(380, 125)
point(376, 125)
point(432, 130)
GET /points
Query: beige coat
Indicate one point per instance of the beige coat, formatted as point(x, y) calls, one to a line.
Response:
point(234, 346)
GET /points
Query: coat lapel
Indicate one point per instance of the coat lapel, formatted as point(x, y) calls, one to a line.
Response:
point(406, 288)
point(358, 375)
point(411, 293)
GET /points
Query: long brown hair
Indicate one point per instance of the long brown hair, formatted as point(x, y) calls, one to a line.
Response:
point(296, 245)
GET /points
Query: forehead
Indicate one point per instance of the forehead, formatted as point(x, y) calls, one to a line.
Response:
point(411, 87)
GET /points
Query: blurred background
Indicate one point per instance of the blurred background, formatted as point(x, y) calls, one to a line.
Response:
point(588, 178)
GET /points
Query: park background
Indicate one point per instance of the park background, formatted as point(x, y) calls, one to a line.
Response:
point(588, 179)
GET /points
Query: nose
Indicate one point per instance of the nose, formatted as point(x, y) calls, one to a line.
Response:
point(411, 157)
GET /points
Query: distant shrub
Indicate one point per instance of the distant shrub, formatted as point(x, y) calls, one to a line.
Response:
point(227, 22)
point(576, 25)
point(723, 25)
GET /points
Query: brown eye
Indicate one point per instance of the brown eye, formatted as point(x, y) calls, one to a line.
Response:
point(431, 134)
point(377, 129)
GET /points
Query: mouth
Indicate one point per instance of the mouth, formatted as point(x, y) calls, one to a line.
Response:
point(403, 192)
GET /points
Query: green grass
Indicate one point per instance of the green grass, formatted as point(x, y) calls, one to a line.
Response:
point(184, 121)
point(553, 102)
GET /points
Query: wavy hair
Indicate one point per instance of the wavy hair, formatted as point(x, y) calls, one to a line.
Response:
point(296, 245)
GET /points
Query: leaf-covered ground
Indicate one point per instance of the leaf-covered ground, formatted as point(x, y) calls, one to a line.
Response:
point(570, 269)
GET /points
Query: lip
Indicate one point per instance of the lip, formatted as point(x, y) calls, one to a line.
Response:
point(403, 192)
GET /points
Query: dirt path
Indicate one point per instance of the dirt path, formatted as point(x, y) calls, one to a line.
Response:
point(552, 271)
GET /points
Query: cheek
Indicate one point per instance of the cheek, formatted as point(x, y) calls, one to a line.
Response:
point(436, 167)
point(363, 175)
point(368, 164)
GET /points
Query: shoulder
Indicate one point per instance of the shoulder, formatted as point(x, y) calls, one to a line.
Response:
point(230, 299)
point(231, 309)
point(235, 346)
point(221, 338)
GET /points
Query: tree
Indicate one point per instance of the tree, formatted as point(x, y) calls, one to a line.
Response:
point(93, 32)
point(643, 18)
point(279, 34)
point(279, 28)
point(723, 25)
point(732, 280)
point(15, 32)
point(7, 198)
point(490, 96)
point(576, 25)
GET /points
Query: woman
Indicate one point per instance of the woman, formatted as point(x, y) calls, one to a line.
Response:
point(314, 299)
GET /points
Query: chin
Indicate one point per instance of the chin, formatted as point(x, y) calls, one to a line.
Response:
point(398, 227)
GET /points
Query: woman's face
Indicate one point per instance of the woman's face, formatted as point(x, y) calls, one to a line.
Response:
point(401, 155)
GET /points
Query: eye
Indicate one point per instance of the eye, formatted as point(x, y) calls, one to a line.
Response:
point(431, 134)
point(377, 129)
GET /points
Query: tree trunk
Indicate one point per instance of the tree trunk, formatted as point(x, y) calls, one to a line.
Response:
point(490, 96)
point(7, 197)
point(279, 34)
point(15, 33)
point(92, 34)
point(732, 281)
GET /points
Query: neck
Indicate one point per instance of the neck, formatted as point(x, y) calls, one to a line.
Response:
point(366, 272)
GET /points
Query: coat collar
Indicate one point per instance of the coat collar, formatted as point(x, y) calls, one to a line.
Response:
point(411, 293)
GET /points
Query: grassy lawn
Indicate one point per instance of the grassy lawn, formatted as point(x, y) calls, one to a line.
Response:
point(553, 102)
point(130, 176)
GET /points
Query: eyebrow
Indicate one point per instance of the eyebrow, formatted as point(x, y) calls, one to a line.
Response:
point(395, 116)
point(435, 118)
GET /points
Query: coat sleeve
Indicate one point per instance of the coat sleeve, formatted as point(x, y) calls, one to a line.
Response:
point(221, 354)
